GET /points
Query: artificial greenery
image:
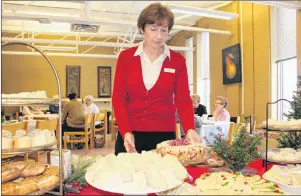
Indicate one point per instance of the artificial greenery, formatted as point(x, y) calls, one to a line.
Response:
point(243, 149)
point(289, 140)
point(295, 112)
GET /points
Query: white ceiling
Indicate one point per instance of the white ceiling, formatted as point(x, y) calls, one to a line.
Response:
point(113, 10)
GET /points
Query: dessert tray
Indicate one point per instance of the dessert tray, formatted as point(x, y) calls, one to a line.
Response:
point(138, 174)
point(15, 151)
point(283, 156)
point(288, 182)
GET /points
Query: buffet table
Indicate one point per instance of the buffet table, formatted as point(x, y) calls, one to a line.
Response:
point(195, 172)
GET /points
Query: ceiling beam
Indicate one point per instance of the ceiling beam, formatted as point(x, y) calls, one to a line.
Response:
point(100, 21)
point(104, 56)
point(84, 43)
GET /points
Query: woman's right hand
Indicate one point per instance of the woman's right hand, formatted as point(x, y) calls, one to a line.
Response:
point(129, 143)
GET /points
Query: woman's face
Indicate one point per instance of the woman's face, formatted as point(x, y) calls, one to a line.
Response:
point(154, 35)
point(88, 101)
point(219, 105)
point(195, 105)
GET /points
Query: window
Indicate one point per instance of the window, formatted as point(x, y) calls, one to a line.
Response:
point(203, 70)
point(189, 63)
point(284, 67)
point(287, 84)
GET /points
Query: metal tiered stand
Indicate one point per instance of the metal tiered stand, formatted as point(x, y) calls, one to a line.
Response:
point(39, 101)
point(266, 162)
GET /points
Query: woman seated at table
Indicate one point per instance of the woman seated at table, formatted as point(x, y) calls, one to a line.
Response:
point(90, 107)
point(220, 113)
point(29, 110)
point(199, 109)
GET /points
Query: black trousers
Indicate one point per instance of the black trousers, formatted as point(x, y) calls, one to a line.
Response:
point(144, 140)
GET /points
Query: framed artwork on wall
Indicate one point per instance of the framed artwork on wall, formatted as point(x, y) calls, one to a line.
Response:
point(231, 65)
point(104, 81)
point(72, 80)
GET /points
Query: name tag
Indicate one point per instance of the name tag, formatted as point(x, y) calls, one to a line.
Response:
point(169, 70)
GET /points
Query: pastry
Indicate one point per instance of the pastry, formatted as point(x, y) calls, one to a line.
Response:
point(46, 181)
point(33, 169)
point(27, 186)
point(9, 188)
point(19, 164)
point(182, 149)
point(8, 174)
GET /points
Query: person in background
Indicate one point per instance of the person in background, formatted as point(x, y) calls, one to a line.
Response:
point(90, 106)
point(199, 109)
point(220, 113)
point(146, 78)
point(73, 114)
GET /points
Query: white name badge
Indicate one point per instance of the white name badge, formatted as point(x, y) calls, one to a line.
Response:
point(169, 70)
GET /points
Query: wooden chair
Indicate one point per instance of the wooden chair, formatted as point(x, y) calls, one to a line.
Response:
point(230, 132)
point(13, 128)
point(178, 131)
point(87, 132)
point(235, 119)
point(114, 127)
point(101, 117)
point(50, 125)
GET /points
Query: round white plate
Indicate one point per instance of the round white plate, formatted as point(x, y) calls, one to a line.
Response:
point(126, 188)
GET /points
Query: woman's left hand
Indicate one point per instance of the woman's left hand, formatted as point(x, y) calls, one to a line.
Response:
point(193, 137)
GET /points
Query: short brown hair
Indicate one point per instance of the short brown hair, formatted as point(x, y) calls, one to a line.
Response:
point(155, 13)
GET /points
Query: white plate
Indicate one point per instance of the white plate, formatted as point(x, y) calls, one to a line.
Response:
point(126, 188)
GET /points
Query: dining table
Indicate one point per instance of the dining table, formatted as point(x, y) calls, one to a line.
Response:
point(194, 171)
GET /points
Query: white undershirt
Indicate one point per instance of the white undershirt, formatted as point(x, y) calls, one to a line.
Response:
point(151, 70)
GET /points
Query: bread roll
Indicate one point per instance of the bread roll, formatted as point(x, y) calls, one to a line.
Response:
point(19, 164)
point(52, 171)
point(8, 174)
point(27, 186)
point(33, 169)
point(46, 181)
point(9, 188)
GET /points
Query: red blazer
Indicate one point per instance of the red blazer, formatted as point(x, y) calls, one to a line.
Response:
point(137, 109)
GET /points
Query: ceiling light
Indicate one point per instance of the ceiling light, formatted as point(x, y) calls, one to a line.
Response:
point(203, 12)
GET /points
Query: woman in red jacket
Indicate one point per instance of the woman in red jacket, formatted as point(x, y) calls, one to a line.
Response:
point(150, 83)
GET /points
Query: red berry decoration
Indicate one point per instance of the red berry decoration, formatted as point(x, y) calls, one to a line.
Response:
point(276, 191)
point(225, 178)
point(245, 182)
point(276, 186)
point(179, 142)
point(75, 183)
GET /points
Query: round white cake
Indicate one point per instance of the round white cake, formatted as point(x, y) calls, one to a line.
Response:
point(182, 149)
point(38, 138)
point(22, 142)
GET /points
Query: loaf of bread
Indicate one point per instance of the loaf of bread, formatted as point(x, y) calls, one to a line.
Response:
point(46, 181)
point(52, 171)
point(8, 174)
point(19, 164)
point(27, 186)
point(9, 188)
point(33, 169)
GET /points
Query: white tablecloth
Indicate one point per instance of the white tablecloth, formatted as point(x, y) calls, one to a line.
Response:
point(208, 131)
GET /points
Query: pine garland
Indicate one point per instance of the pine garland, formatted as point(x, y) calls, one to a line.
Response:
point(242, 150)
point(290, 140)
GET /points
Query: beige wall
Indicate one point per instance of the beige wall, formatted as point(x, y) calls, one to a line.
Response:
point(299, 41)
point(255, 43)
point(31, 73)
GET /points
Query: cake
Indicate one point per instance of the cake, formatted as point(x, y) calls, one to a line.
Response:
point(7, 141)
point(182, 149)
point(50, 136)
point(38, 138)
point(21, 140)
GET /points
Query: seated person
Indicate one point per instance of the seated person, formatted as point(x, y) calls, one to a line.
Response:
point(220, 113)
point(199, 109)
point(73, 114)
point(90, 106)
point(197, 123)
